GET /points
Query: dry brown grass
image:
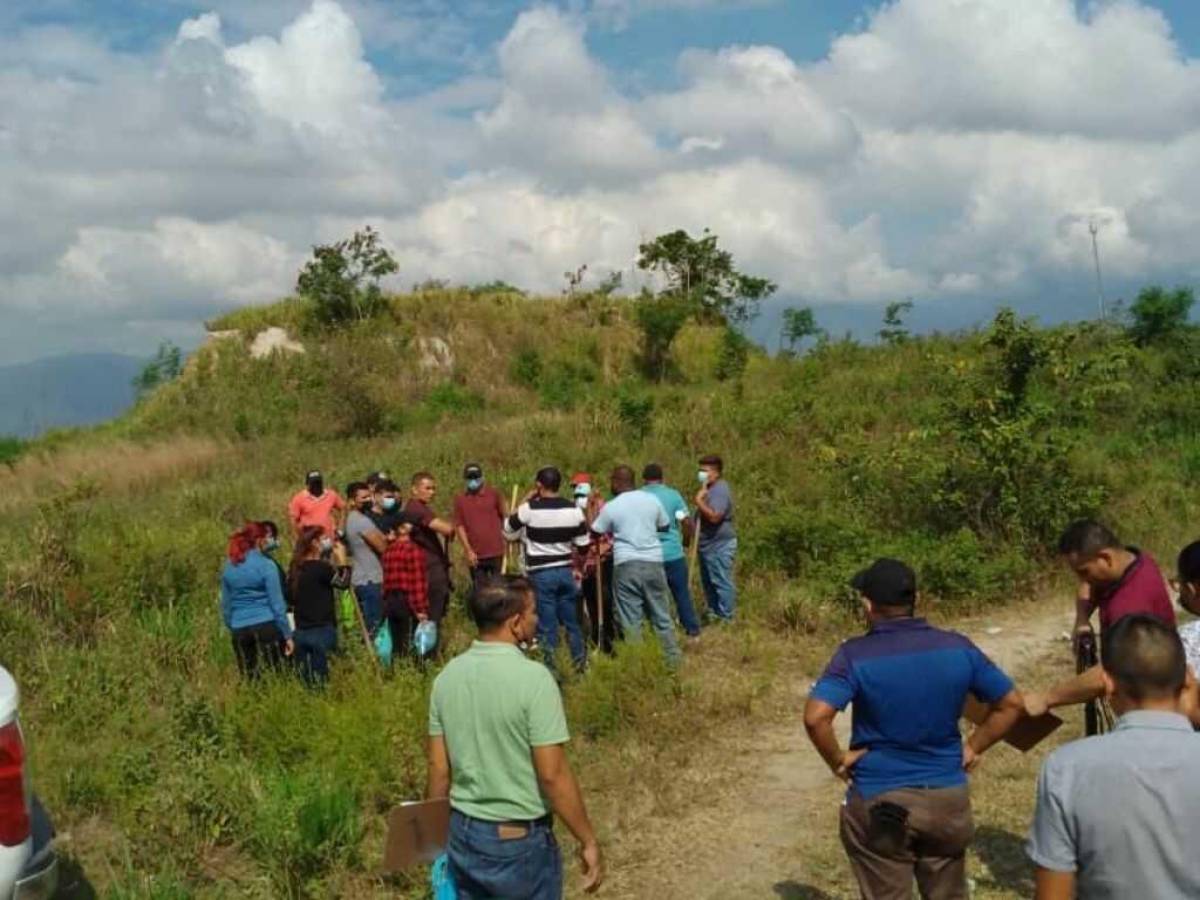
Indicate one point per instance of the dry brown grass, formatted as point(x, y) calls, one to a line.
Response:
point(112, 466)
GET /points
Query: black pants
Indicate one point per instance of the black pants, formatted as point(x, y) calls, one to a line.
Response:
point(588, 597)
point(401, 622)
point(256, 646)
point(437, 576)
point(486, 568)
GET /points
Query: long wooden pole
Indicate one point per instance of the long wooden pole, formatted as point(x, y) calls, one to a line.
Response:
point(599, 598)
point(694, 553)
point(506, 565)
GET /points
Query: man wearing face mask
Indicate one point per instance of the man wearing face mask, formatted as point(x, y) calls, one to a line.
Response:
point(386, 512)
point(316, 505)
point(596, 588)
point(718, 539)
point(366, 544)
point(497, 736)
point(479, 521)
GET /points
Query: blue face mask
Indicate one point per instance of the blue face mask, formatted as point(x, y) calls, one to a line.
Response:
point(388, 503)
point(474, 484)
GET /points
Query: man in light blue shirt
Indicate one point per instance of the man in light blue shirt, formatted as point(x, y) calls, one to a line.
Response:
point(675, 565)
point(635, 519)
point(1117, 814)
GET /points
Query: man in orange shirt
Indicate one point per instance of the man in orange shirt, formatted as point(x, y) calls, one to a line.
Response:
point(316, 505)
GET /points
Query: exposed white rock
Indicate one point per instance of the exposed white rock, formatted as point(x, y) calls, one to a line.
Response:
point(272, 340)
point(436, 355)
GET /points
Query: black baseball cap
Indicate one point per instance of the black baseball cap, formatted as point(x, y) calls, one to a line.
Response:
point(314, 475)
point(887, 582)
point(375, 477)
point(473, 470)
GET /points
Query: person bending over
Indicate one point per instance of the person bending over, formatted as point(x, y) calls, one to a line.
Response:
point(1114, 579)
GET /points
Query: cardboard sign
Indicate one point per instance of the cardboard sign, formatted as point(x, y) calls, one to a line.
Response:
point(417, 833)
point(1025, 735)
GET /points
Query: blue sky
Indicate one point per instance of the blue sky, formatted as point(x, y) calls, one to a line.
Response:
point(164, 165)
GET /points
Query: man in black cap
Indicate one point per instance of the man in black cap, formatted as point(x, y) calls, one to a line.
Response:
point(479, 522)
point(907, 812)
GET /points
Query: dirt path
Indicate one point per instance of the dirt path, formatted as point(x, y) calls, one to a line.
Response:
point(764, 832)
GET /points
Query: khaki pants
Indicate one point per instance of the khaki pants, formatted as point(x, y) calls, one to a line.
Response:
point(938, 831)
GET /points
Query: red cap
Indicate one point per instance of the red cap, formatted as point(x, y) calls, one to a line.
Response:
point(581, 478)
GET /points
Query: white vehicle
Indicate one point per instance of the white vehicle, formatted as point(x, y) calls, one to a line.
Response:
point(28, 863)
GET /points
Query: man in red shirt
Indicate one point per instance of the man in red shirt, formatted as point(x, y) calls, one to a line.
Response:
point(405, 585)
point(316, 505)
point(1118, 581)
point(431, 534)
point(478, 521)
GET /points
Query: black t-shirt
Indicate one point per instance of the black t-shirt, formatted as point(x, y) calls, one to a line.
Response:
point(313, 595)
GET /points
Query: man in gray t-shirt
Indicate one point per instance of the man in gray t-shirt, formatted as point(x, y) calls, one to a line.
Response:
point(718, 539)
point(366, 544)
point(1117, 814)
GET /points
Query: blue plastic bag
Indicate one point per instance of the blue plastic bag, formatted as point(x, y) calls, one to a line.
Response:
point(383, 644)
point(425, 638)
point(442, 881)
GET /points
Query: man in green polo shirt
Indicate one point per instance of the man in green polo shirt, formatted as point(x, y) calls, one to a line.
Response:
point(496, 748)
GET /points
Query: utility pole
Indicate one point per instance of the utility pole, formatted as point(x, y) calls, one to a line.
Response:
point(1094, 228)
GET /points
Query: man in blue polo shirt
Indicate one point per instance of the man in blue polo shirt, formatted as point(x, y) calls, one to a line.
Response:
point(908, 811)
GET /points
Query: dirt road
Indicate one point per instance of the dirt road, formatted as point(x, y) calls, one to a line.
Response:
point(766, 830)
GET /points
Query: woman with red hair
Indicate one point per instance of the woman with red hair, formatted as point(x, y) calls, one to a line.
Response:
point(252, 603)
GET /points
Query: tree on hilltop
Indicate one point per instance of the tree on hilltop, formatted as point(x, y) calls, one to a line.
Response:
point(701, 283)
point(341, 281)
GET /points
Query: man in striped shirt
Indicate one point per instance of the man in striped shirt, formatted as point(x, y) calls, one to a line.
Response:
point(553, 531)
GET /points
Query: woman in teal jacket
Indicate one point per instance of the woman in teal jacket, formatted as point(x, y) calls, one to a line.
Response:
point(252, 603)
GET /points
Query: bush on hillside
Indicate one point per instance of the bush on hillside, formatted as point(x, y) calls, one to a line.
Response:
point(1158, 314)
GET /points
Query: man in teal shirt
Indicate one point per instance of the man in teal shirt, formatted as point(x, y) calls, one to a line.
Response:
point(496, 748)
point(674, 559)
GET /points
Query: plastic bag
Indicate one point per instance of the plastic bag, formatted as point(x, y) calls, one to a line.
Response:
point(347, 615)
point(383, 644)
point(425, 639)
point(442, 881)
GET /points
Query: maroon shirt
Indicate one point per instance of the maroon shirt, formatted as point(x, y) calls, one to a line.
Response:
point(481, 514)
point(1140, 590)
point(422, 535)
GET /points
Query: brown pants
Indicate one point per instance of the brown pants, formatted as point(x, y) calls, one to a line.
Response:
point(936, 836)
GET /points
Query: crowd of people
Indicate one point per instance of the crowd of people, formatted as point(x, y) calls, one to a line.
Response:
point(1113, 813)
point(598, 567)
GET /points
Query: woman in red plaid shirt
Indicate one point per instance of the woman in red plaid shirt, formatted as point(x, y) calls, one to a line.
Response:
point(405, 586)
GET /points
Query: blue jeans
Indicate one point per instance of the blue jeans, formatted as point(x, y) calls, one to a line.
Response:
point(370, 601)
point(556, 594)
point(677, 580)
point(716, 572)
point(484, 866)
point(641, 590)
point(313, 646)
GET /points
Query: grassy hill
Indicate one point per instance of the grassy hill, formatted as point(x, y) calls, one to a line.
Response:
point(963, 454)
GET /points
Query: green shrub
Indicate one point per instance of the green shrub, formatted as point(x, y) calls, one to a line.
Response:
point(526, 367)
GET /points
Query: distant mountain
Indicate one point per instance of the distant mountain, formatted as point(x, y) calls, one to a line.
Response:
point(64, 391)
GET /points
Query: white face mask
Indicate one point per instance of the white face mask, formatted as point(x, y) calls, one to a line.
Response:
point(702, 477)
point(581, 502)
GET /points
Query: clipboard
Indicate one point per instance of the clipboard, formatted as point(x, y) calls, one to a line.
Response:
point(1025, 735)
point(418, 831)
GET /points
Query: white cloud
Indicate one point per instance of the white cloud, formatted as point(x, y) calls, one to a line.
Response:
point(1023, 65)
point(557, 113)
point(946, 149)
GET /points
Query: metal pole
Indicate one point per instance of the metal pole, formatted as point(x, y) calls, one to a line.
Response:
point(1094, 229)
